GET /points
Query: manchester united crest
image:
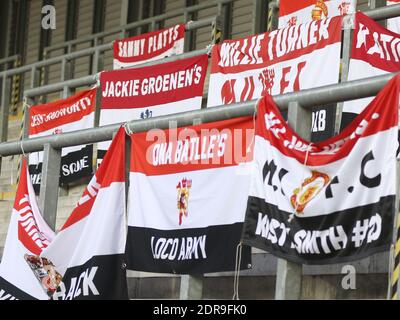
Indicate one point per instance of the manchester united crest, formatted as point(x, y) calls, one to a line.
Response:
point(319, 10)
point(183, 188)
point(308, 190)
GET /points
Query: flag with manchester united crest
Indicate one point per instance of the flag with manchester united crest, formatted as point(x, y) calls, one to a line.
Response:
point(327, 202)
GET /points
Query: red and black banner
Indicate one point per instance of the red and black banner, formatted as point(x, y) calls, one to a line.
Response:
point(67, 115)
point(89, 250)
point(188, 193)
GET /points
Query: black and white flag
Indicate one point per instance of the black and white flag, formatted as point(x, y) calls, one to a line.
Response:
point(89, 250)
point(327, 202)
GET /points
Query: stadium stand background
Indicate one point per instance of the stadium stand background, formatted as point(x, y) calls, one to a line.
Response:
point(21, 34)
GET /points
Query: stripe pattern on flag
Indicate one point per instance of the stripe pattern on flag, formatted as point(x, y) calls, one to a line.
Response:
point(89, 249)
point(28, 234)
point(278, 62)
point(328, 202)
point(188, 196)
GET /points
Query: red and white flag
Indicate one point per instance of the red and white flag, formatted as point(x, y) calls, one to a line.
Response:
point(61, 116)
point(375, 51)
point(187, 197)
point(393, 24)
point(326, 202)
point(294, 12)
point(142, 93)
point(281, 61)
point(28, 234)
point(89, 249)
point(149, 47)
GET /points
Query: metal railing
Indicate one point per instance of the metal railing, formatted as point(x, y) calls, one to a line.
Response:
point(298, 103)
point(307, 98)
point(66, 62)
point(8, 60)
point(122, 31)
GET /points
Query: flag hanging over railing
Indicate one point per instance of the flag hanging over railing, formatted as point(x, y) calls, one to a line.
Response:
point(28, 234)
point(188, 191)
point(294, 12)
point(375, 51)
point(278, 62)
point(149, 47)
point(329, 202)
point(61, 116)
point(89, 249)
point(147, 92)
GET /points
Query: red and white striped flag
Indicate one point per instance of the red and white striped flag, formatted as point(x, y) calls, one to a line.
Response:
point(329, 202)
point(188, 192)
point(89, 249)
point(28, 234)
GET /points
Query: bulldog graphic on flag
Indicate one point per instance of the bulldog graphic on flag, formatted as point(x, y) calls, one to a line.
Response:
point(327, 202)
point(89, 249)
point(28, 234)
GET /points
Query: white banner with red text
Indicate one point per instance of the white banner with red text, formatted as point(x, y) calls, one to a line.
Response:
point(187, 197)
point(88, 251)
point(61, 116)
point(143, 93)
point(286, 60)
point(375, 51)
point(149, 47)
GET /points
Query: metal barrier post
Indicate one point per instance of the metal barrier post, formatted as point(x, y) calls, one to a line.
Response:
point(348, 27)
point(66, 74)
point(97, 107)
point(49, 184)
point(273, 13)
point(191, 285)
point(5, 108)
point(188, 34)
point(16, 88)
point(289, 274)
point(216, 32)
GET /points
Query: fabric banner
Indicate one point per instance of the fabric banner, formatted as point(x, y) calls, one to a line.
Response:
point(89, 249)
point(71, 114)
point(28, 234)
point(329, 202)
point(375, 51)
point(394, 23)
point(149, 47)
point(188, 192)
point(282, 61)
point(294, 12)
point(142, 93)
